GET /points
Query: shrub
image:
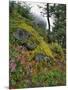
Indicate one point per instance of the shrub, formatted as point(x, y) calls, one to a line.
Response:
point(54, 78)
point(57, 48)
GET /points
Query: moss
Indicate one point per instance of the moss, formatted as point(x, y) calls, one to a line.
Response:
point(42, 46)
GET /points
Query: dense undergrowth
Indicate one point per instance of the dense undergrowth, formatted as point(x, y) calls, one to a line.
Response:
point(25, 68)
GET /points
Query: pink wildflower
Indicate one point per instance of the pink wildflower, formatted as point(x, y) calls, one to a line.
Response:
point(12, 66)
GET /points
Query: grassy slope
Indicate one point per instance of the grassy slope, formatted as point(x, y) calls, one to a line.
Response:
point(21, 23)
point(40, 74)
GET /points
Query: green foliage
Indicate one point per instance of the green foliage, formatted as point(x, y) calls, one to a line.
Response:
point(57, 51)
point(23, 10)
point(52, 78)
point(57, 48)
point(59, 29)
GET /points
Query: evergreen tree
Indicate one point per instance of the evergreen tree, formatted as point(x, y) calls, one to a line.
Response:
point(59, 29)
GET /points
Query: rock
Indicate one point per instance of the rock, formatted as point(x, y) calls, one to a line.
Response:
point(41, 57)
point(21, 34)
point(30, 45)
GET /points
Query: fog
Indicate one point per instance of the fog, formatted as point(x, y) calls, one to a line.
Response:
point(36, 11)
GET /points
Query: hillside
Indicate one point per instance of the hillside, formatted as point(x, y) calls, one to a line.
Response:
point(33, 62)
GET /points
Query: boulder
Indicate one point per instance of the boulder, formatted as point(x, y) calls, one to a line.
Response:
point(21, 34)
point(30, 45)
point(41, 57)
point(24, 36)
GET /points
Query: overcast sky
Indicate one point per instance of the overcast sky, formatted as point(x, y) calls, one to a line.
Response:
point(36, 10)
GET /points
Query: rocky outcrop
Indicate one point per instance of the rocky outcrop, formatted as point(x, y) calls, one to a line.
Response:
point(21, 34)
point(24, 36)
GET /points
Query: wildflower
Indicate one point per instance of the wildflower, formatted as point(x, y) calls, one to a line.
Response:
point(12, 66)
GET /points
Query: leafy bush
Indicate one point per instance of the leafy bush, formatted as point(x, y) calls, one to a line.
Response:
point(23, 10)
point(52, 78)
point(57, 51)
point(55, 77)
point(57, 48)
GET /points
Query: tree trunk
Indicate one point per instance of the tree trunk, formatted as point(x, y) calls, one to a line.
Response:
point(48, 17)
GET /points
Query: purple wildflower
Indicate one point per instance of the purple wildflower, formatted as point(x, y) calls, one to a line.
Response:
point(12, 66)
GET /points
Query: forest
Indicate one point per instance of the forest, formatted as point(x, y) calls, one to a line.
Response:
point(37, 44)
